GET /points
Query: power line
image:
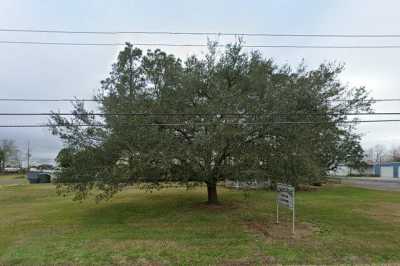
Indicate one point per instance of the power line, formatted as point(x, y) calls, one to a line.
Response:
point(204, 124)
point(205, 45)
point(202, 114)
point(202, 33)
point(370, 100)
point(98, 100)
point(47, 100)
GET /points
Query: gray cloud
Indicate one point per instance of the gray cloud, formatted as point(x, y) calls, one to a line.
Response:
point(64, 72)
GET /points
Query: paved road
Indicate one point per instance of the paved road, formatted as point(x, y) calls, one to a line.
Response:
point(374, 183)
point(11, 180)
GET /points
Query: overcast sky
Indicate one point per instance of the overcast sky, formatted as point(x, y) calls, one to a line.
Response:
point(65, 72)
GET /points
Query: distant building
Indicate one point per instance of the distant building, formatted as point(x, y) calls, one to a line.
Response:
point(387, 169)
point(250, 184)
point(344, 170)
point(45, 167)
point(12, 169)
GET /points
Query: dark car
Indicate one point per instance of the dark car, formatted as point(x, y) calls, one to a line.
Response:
point(38, 177)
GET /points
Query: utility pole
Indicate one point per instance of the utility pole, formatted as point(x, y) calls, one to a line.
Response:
point(28, 156)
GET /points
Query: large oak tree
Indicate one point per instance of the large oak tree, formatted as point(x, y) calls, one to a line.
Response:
point(227, 114)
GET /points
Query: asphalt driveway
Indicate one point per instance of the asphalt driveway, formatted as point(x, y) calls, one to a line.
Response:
point(388, 184)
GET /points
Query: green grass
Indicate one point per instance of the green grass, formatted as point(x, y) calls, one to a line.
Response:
point(12, 180)
point(335, 225)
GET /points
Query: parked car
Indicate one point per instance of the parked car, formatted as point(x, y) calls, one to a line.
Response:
point(38, 177)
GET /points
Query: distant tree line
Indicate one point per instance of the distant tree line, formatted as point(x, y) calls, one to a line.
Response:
point(381, 154)
point(9, 154)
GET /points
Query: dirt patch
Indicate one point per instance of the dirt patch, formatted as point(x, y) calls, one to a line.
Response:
point(283, 231)
point(386, 212)
point(125, 260)
point(357, 260)
point(264, 260)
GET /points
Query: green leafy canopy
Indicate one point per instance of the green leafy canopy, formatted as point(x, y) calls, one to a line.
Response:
point(206, 119)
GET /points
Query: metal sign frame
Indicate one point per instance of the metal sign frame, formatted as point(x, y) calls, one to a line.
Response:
point(286, 198)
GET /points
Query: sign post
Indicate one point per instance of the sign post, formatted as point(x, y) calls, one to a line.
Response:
point(285, 197)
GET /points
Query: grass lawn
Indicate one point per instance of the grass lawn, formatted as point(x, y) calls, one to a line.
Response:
point(337, 224)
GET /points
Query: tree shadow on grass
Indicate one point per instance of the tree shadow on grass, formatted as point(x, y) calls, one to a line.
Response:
point(162, 207)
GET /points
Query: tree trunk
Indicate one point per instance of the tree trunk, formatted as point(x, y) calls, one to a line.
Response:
point(212, 194)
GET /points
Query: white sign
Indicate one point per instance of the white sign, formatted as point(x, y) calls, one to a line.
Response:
point(285, 198)
point(286, 195)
